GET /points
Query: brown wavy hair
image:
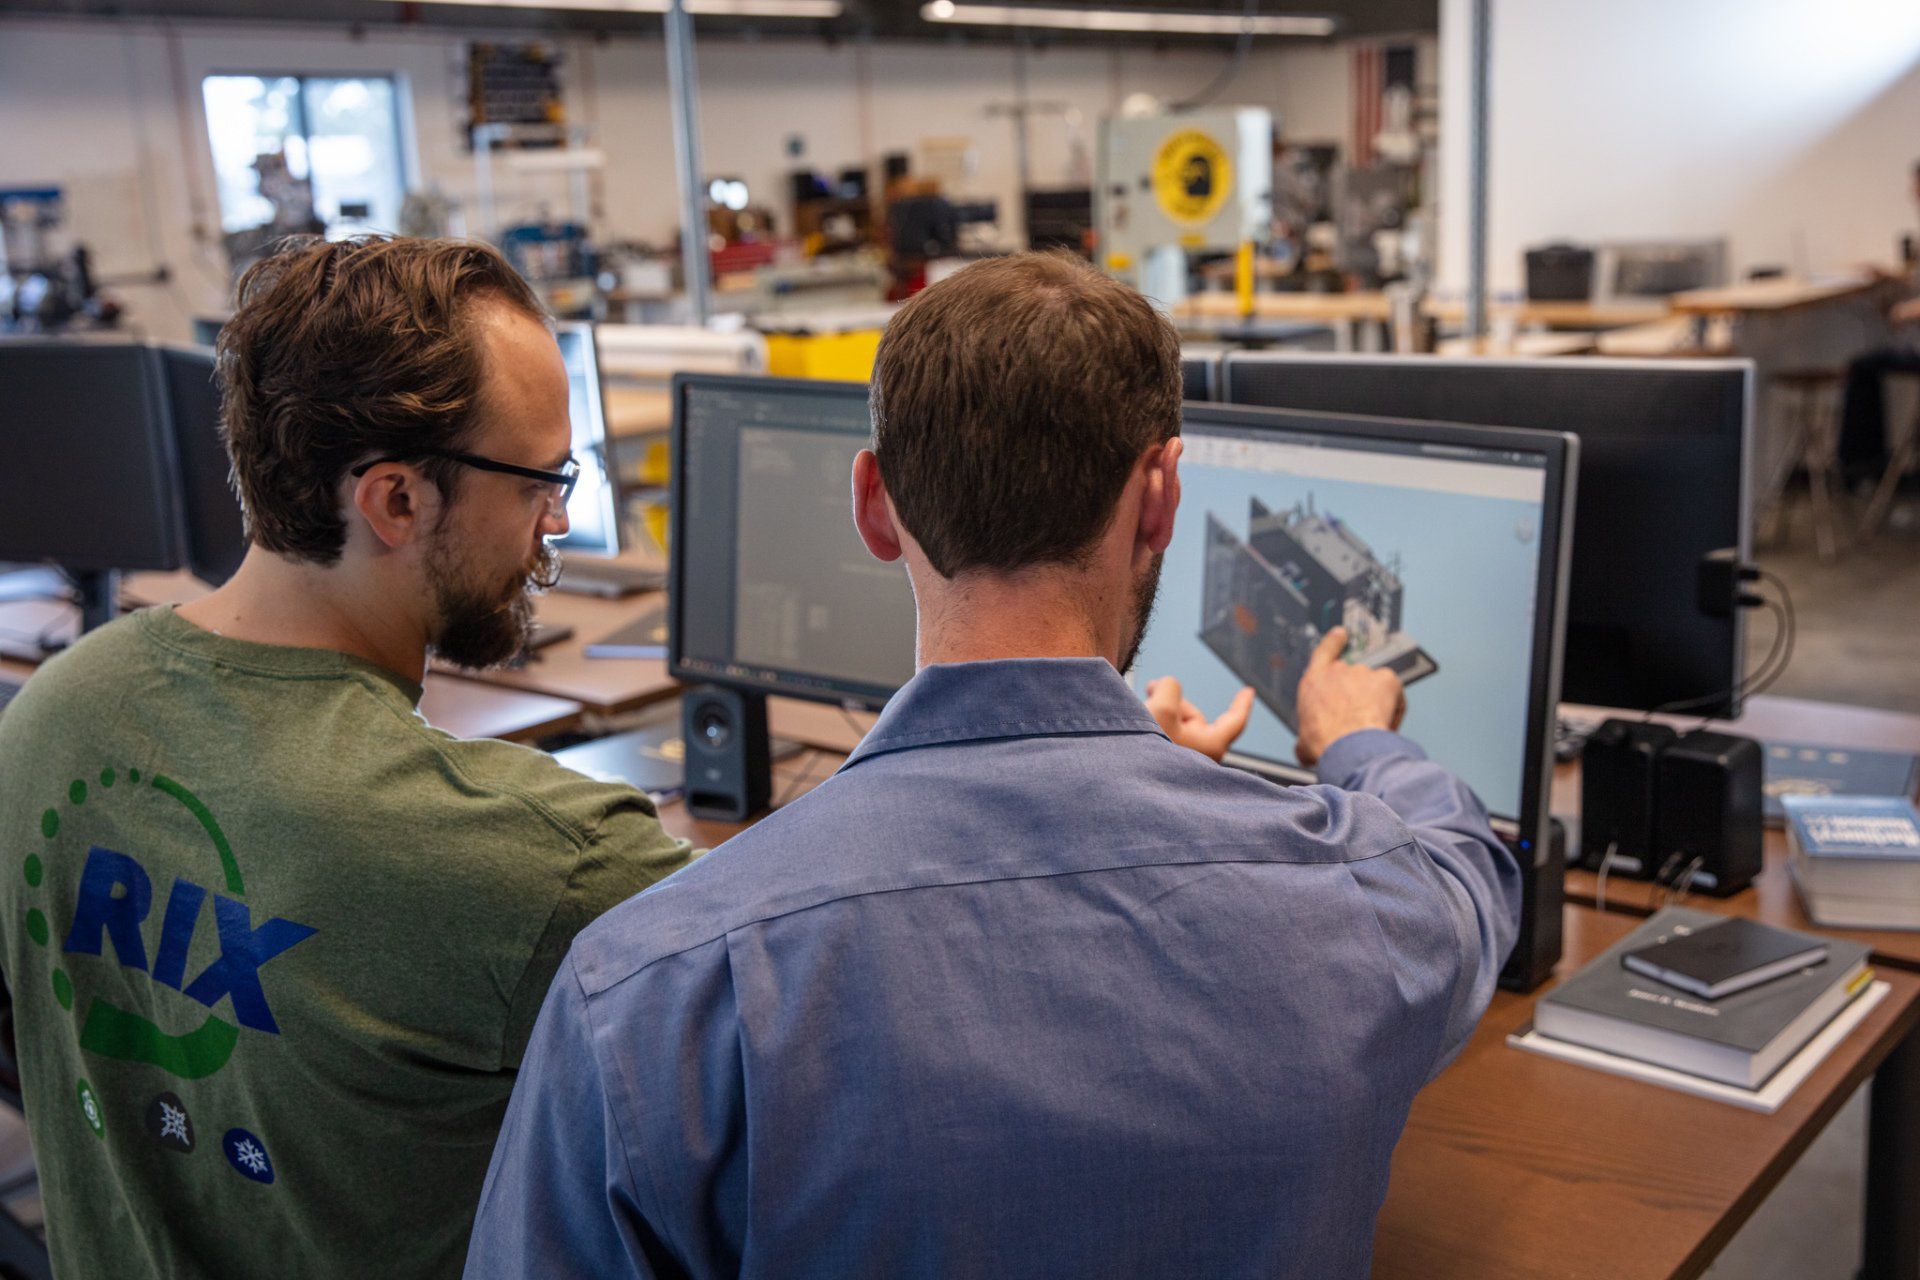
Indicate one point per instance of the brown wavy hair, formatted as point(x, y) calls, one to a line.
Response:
point(1010, 403)
point(340, 351)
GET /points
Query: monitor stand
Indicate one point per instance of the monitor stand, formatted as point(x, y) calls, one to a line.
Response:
point(99, 593)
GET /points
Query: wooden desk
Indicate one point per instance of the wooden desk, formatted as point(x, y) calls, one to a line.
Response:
point(1515, 1165)
point(1771, 296)
point(1554, 315)
point(464, 708)
point(1321, 308)
point(563, 670)
point(1772, 898)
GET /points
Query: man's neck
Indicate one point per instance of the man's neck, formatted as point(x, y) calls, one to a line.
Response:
point(1038, 614)
point(274, 600)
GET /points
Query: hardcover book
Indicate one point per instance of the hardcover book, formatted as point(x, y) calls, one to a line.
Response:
point(1740, 1039)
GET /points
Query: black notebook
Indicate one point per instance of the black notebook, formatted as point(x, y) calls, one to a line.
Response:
point(1727, 957)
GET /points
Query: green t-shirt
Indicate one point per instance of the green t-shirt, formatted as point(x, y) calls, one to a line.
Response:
point(275, 947)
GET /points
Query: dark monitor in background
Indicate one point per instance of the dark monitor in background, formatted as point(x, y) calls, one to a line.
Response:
point(87, 452)
point(216, 533)
point(1199, 376)
point(1663, 485)
point(770, 588)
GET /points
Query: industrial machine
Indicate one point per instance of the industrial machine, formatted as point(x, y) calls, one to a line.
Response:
point(1168, 186)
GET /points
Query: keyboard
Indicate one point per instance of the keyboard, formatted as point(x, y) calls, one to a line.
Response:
point(610, 579)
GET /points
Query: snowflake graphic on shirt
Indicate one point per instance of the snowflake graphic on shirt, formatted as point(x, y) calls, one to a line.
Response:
point(251, 1156)
point(173, 1122)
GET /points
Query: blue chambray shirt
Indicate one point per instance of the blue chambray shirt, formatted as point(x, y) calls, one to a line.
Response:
point(1024, 990)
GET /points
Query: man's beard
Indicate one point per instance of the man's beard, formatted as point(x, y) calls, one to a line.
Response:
point(485, 624)
point(1145, 589)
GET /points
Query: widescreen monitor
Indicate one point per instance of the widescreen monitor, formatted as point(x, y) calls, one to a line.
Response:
point(216, 533)
point(771, 588)
point(593, 511)
point(86, 447)
point(1663, 485)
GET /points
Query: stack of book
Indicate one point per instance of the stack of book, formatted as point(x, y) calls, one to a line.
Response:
point(1711, 1005)
point(1855, 860)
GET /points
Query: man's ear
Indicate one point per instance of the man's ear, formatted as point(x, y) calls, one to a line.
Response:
point(872, 513)
point(395, 503)
point(1161, 497)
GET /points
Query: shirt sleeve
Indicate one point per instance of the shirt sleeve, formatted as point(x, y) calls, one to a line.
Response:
point(1478, 875)
point(558, 1202)
point(628, 852)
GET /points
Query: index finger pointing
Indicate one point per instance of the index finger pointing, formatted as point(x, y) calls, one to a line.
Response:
point(1329, 649)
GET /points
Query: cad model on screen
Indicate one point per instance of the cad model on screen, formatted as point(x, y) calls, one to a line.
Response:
point(1267, 601)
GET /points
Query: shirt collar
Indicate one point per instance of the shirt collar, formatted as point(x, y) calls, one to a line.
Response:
point(1010, 698)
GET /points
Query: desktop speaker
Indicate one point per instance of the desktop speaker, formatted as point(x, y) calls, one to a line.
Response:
point(1618, 766)
point(729, 755)
point(1707, 810)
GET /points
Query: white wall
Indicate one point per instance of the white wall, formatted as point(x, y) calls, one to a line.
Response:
point(112, 112)
point(1789, 126)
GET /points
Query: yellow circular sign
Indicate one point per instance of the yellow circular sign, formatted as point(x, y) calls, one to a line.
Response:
point(1192, 176)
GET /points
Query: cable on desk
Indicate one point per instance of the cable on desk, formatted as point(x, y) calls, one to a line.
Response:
point(1771, 668)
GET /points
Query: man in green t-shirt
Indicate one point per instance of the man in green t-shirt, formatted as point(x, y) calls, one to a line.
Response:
point(275, 946)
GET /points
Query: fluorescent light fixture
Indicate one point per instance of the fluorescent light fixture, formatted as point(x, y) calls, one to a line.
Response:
point(699, 8)
point(1144, 21)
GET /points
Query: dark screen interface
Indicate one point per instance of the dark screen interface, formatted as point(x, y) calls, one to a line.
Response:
point(778, 586)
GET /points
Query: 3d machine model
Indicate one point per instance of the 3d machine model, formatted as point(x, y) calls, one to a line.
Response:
point(1267, 601)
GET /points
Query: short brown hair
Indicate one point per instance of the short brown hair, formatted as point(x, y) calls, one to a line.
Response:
point(1010, 403)
point(342, 350)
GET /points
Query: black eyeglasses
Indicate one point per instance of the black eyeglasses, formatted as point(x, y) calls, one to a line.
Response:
point(561, 481)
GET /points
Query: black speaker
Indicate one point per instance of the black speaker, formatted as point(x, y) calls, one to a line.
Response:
point(1542, 896)
point(1617, 773)
point(729, 755)
point(1708, 789)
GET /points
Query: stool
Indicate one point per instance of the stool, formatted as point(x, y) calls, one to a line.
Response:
point(1810, 401)
point(1901, 459)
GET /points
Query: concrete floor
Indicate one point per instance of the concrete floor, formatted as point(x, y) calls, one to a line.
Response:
point(1858, 616)
point(1859, 642)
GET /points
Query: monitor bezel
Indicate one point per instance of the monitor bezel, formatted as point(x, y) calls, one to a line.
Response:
point(1740, 368)
point(197, 557)
point(845, 693)
point(1560, 452)
point(610, 505)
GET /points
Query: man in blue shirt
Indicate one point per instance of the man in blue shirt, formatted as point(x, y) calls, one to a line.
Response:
point(1032, 986)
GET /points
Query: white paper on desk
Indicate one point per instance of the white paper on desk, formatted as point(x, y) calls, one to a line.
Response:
point(1767, 1098)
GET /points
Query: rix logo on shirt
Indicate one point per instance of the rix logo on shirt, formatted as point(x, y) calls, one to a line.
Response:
point(113, 900)
point(115, 897)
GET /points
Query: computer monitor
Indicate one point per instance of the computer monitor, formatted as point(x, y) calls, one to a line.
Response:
point(87, 450)
point(1439, 548)
point(593, 512)
point(215, 531)
point(1663, 485)
point(1199, 376)
point(770, 588)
